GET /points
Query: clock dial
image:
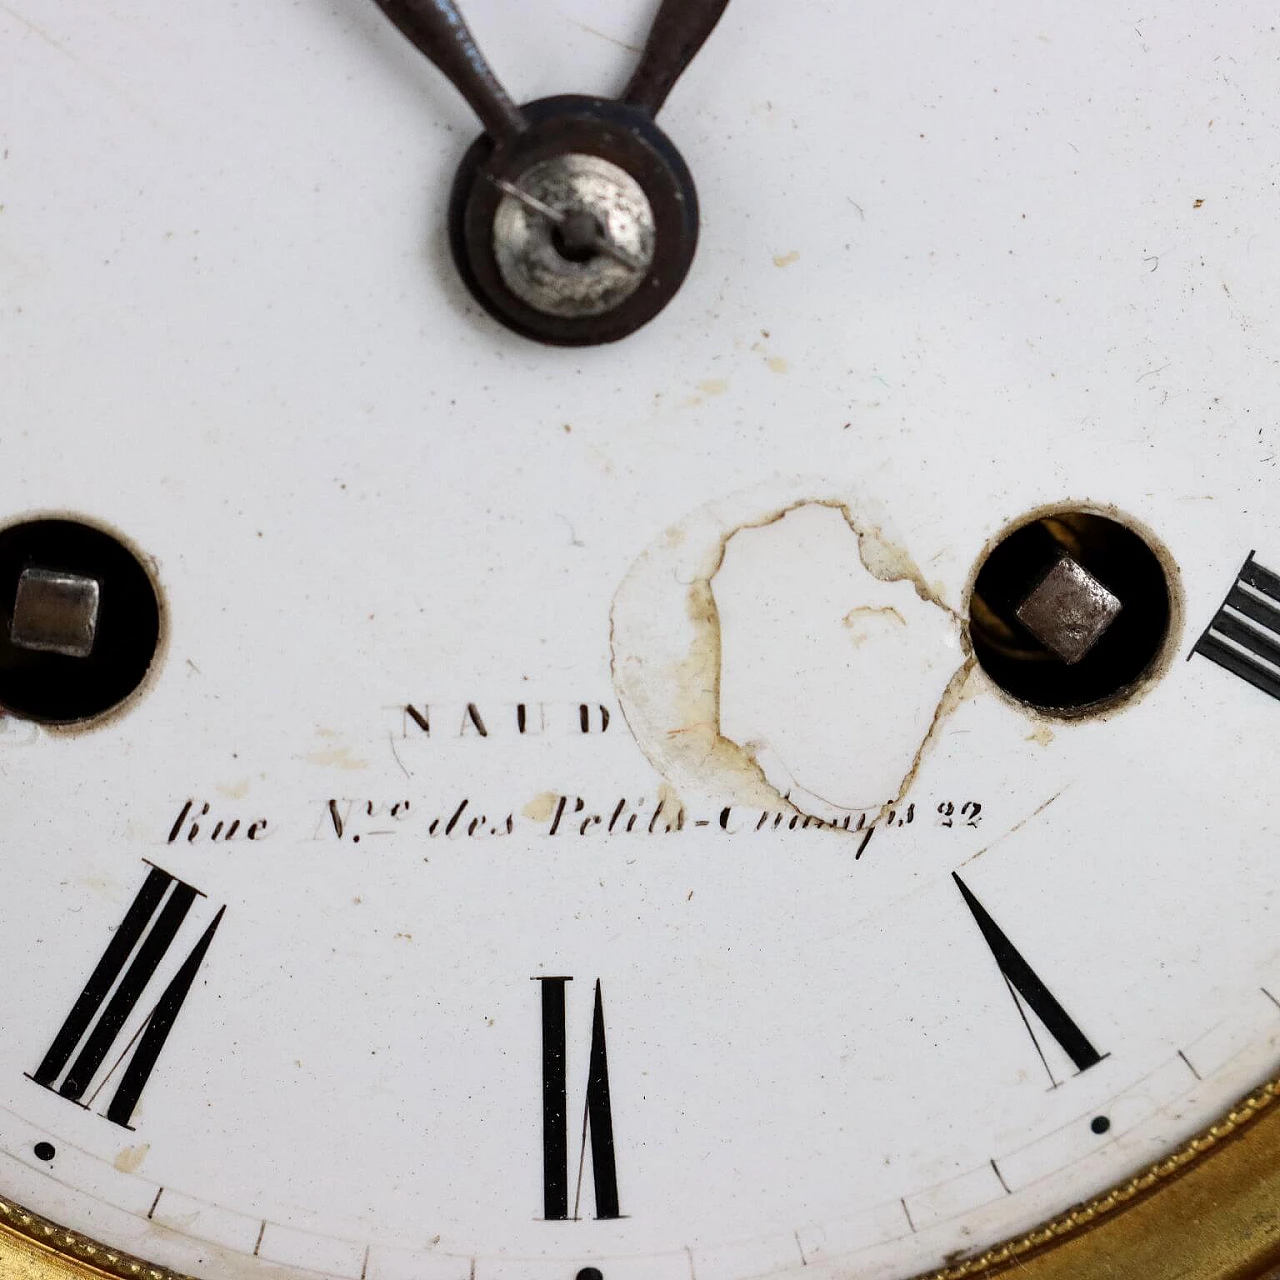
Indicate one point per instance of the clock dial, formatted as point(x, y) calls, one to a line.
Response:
point(709, 806)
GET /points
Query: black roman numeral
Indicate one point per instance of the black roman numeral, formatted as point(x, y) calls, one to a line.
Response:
point(1244, 636)
point(1022, 981)
point(99, 1027)
point(597, 1112)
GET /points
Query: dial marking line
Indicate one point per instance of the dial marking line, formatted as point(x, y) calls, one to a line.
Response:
point(804, 1262)
point(152, 1211)
point(40, 32)
point(1017, 826)
point(995, 1168)
point(115, 1066)
point(1270, 997)
point(1189, 1067)
point(392, 741)
point(622, 44)
point(1054, 1082)
point(257, 1244)
point(582, 1159)
point(902, 1201)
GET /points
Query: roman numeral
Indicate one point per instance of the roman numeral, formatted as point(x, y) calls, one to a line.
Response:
point(597, 1112)
point(1022, 981)
point(1244, 636)
point(95, 1022)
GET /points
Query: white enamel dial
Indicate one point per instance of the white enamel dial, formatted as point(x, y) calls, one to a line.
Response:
point(500, 682)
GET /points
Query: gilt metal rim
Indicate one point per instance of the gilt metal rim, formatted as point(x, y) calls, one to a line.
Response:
point(1208, 1211)
point(33, 1248)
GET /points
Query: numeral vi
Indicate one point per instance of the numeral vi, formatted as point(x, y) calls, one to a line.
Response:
point(121, 978)
point(597, 1114)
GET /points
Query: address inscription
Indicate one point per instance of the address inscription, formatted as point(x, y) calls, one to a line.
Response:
point(550, 815)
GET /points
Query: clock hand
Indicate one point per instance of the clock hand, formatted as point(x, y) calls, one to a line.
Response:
point(617, 211)
point(437, 29)
point(678, 32)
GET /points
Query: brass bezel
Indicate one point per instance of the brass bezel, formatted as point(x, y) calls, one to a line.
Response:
point(1209, 1211)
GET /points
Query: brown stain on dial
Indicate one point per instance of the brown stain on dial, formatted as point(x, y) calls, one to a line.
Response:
point(956, 692)
point(855, 616)
point(671, 702)
point(129, 1159)
point(698, 679)
point(541, 807)
point(336, 756)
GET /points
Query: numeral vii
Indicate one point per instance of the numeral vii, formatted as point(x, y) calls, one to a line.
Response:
point(1022, 981)
point(1244, 636)
point(597, 1113)
point(126, 969)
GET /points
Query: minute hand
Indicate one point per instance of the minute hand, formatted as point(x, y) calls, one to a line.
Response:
point(679, 31)
point(438, 29)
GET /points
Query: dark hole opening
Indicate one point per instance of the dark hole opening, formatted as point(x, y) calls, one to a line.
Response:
point(577, 238)
point(52, 686)
point(1025, 667)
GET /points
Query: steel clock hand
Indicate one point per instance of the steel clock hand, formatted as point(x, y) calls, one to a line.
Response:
point(437, 29)
point(680, 29)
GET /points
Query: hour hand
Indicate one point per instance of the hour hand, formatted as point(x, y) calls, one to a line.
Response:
point(678, 32)
point(438, 29)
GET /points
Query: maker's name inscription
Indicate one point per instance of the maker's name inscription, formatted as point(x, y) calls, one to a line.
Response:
point(500, 719)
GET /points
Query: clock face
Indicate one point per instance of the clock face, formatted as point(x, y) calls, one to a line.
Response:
point(785, 788)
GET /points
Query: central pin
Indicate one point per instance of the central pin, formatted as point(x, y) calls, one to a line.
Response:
point(574, 236)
